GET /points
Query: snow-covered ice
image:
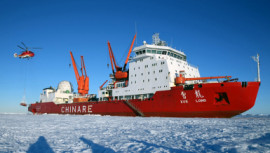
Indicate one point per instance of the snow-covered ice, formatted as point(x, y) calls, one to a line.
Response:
point(70, 133)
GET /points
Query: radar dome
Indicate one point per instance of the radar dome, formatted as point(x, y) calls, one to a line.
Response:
point(65, 87)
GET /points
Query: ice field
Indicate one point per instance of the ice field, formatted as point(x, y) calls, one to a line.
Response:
point(69, 133)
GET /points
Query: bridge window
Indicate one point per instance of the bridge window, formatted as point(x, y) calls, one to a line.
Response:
point(154, 51)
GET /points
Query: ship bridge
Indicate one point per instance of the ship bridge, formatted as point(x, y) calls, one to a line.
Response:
point(149, 50)
point(158, 47)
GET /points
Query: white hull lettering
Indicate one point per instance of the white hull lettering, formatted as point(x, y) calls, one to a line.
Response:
point(79, 109)
point(89, 108)
point(76, 109)
point(62, 109)
point(184, 101)
point(73, 109)
point(84, 109)
point(200, 100)
point(67, 110)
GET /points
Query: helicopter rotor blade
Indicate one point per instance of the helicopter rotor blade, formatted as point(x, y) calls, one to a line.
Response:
point(24, 45)
point(21, 47)
point(35, 48)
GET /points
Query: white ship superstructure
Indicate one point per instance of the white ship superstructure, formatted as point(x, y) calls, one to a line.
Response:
point(63, 93)
point(154, 68)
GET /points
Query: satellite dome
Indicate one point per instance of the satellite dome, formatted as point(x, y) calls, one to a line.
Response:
point(65, 87)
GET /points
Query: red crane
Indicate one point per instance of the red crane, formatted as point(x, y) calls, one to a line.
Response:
point(103, 84)
point(83, 80)
point(120, 73)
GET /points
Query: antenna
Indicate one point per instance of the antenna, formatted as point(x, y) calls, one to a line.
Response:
point(136, 33)
point(256, 59)
point(155, 39)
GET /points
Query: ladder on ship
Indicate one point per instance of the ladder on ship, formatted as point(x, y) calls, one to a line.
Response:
point(134, 108)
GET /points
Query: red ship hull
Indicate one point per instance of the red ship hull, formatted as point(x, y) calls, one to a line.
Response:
point(220, 100)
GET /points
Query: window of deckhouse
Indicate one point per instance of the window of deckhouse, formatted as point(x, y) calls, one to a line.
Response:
point(159, 52)
point(154, 51)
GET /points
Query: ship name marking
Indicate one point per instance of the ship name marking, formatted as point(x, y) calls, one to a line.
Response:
point(199, 96)
point(184, 96)
point(76, 109)
point(184, 101)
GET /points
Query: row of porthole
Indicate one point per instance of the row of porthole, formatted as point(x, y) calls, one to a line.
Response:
point(148, 73)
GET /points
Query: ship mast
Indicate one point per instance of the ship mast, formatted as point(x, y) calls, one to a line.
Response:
point(256, 59)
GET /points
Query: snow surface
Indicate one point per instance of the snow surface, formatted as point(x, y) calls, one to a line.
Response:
point(70, 133)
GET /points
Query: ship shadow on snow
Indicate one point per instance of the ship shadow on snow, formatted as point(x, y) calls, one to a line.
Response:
point(41, 146)
point(96, 148)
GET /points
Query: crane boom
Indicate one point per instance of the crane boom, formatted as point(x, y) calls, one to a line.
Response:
point(120, 73)
point(83, 80)
point(114, 61)
point(109, 46)
point(74, 67)
point(130, 49)
point(86, 78)
point(103, 84)
point(83, 66)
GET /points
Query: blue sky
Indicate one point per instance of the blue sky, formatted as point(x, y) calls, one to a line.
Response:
point(217, 36)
